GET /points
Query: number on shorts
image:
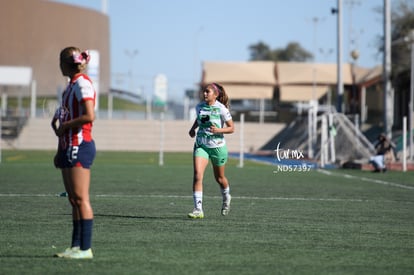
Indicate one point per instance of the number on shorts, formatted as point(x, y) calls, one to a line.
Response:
point(74, 153)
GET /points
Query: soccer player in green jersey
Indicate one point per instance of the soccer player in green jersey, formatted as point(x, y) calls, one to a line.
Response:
point(213, 121)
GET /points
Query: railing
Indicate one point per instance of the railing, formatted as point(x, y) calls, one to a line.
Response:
point(11, 126)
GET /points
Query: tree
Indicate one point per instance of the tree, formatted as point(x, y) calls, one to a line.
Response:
point(292, 52)
point(260, 51)
point(402, 24)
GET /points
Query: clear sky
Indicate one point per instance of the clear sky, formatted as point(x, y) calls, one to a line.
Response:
point(174, 37)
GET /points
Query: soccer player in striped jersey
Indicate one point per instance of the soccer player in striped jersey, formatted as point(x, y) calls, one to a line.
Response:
point(213, 121)
point(72, 123)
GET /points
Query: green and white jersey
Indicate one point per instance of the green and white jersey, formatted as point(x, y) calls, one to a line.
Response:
point(216, 114)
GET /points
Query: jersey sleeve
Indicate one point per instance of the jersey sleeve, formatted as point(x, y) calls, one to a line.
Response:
point(225, 114)
point(86, 90)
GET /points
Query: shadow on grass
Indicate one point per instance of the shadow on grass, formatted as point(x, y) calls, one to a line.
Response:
point(26, 256)
point(142, 217)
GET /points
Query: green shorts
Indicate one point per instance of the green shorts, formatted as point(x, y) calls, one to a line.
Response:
point(218, 156)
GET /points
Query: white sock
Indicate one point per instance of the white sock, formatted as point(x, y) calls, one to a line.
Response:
point(225, 192)
point(198, 200)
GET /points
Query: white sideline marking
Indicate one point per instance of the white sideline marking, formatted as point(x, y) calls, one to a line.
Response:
point(211, 197)
point(383, 182)
point(234, 197)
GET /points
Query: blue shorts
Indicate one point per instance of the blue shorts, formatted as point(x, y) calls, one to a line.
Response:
point(77, 156)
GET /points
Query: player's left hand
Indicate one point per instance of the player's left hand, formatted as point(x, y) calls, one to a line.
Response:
point(59, 131)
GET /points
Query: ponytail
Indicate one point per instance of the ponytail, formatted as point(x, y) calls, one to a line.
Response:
point(222, 95)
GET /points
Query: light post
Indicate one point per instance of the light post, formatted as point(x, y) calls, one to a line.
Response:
point(410, 38)
point(131, 55)
point(340, 88)
point(354, 55)
point(387, 87)
point(195, 50)
point(313, 103)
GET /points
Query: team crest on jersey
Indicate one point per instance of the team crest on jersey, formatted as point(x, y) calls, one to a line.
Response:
point(215, 111)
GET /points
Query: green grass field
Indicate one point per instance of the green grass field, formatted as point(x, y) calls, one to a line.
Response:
point(343, 222)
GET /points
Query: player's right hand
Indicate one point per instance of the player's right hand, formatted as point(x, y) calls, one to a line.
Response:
point(192, 133)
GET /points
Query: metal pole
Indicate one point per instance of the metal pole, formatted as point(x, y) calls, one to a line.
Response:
point(262, 110)
point(131, 55)
point(110, 105)
point(363, 104)
point(404, 143)
point(340, 88)
point(310, 132)
point(388, 92)
point(149, 108)
point(332, 137)
point(315, 123)
point(411, 95)
point(324, 141)
point(195, 50)
point(33, 99)
point(241, 131)
point(162, 135)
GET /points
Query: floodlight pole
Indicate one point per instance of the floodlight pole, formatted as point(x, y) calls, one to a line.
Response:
point(340, 88)
point(388, 92)
point(131, 55)
point(411, 94)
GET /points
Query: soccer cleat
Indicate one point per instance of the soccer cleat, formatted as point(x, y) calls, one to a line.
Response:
point(225, 209)
point(80, 254)
point(66, 252)
point(196, 214)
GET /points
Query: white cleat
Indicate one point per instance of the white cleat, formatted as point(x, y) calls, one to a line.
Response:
point(196, 214)
point(225, 209)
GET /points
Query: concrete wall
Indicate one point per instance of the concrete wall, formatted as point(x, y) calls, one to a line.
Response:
point(141, 135)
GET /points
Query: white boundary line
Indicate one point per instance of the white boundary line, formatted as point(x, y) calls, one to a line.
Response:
point(383, 182)
point(212, 197)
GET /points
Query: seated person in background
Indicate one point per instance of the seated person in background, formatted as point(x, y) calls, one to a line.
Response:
point(383, 147)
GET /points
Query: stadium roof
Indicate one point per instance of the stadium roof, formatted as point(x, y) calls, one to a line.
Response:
point(296, 81)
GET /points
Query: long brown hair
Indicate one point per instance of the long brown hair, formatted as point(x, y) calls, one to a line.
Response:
point(222, 95)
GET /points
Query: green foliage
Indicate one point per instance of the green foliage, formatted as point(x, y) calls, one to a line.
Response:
point(280, 223)
point(50, 102)
point(402, 25)
point(120, 104)
point(292, 52)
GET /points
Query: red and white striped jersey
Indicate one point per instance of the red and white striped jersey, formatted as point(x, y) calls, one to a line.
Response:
point(80, 89)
